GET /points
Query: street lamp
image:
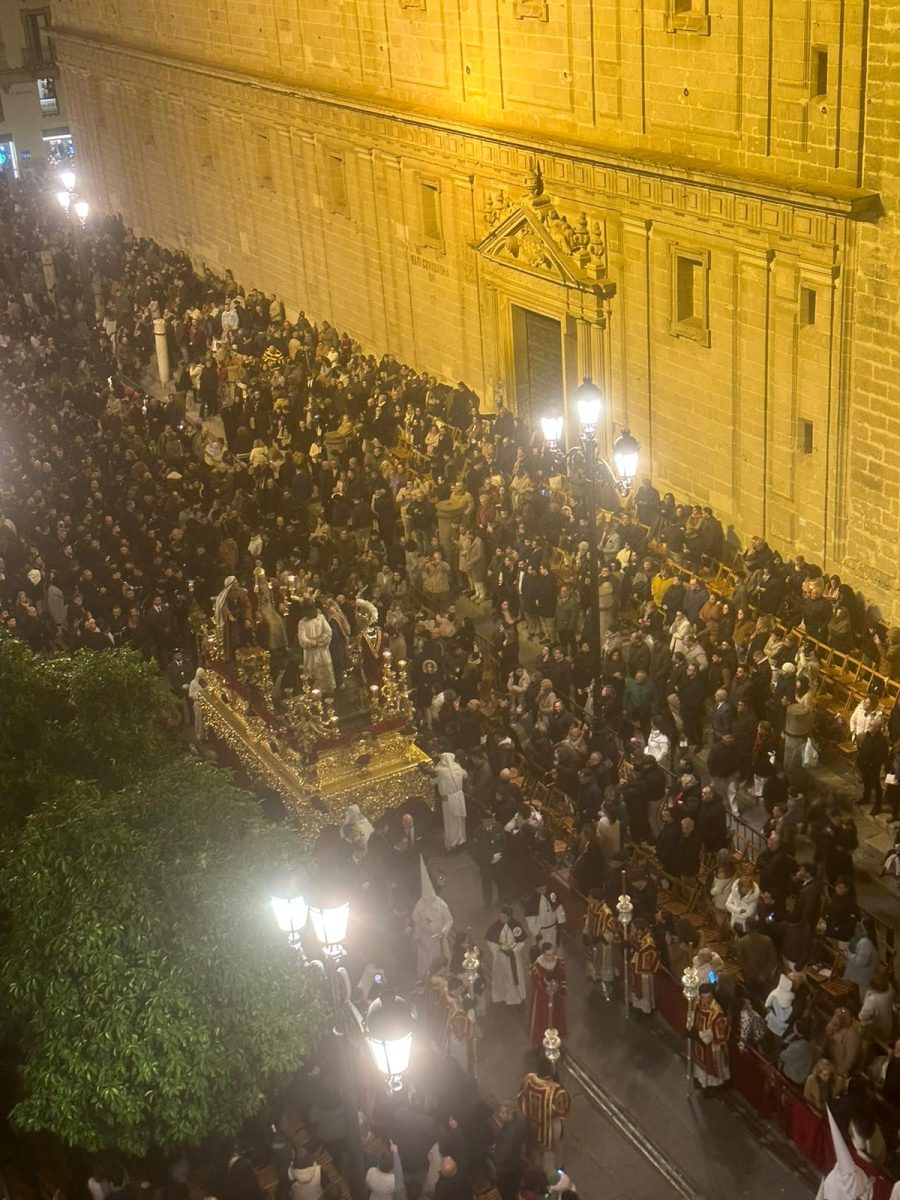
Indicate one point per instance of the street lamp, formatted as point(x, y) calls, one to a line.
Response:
point(329, 912)
point(330, 921)
point(690, 986)
point(67, 179)
point(626, 452)
point(625, 911)
point(552, 428)
point(65, 199)
point(589, 404)
point(291, 911)
point(82, 208)
point(388, 1034)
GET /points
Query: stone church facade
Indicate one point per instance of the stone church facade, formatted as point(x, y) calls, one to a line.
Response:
point(692, 201)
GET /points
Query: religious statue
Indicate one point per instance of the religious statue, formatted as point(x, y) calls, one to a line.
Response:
point(314, 638)
point(233, 615)
point(371, 643)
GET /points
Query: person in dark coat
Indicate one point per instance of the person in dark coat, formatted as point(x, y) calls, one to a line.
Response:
point(687, 851)
point(711, 822)
point(589, 869)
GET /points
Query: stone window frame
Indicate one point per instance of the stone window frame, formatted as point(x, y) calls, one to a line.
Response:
point(337, 204)
point(531, 10)
point(263, 159)
point(696, 327)
point(687, 16)
point(429, 239)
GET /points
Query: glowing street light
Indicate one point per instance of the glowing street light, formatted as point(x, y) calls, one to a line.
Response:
point(291, 911)
point(65, 199)
point(589, 406)
point(68, 180)
point(552, 428)
point(330, 921)
point(626, 452)
point(388, 1033)
point(82, 208)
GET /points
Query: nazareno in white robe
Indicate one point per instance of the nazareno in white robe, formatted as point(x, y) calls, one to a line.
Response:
point(450, 778)
point(509, 973)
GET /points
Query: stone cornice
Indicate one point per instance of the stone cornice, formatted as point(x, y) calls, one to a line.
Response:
point(653, 178)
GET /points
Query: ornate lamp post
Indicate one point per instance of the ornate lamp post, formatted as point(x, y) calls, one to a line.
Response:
point(625, 912)
point(388, 1031)
point(329, 913)
point(690, 986)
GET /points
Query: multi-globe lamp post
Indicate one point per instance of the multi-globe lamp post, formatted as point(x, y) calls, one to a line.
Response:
point(626, 453)
point(71, 202)
point(388, 1025)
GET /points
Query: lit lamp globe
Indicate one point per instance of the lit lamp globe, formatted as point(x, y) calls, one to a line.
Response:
point(388, 1034)
point(330, 916)
point(552, 428)
point(67, 179)
point(64, 199)
point(291, 912)
point(588, 405)
point(626, 451)
point(552, 1046)
point(82, 208)
point(690, 984)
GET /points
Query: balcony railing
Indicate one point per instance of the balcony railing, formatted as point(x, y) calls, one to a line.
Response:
point(39, 58)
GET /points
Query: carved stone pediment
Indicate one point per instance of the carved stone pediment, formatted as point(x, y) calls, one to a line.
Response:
point(538, 237)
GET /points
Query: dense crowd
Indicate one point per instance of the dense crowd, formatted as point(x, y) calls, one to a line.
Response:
point(352, 478)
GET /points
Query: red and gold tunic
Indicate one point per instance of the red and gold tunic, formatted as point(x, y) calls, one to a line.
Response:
point(644, 965)
point(709, 1044)
point(544, 1103)
point(600, 932)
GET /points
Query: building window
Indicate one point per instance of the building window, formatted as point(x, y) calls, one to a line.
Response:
point(337, 184)
point(687, 16)
point(202, 140)
point(430, 207)
point(690, 294)
point(819, 73)
point(807, 306)
point(264, 176)
point(46, 90)
point(38, 49)
point(805, 437)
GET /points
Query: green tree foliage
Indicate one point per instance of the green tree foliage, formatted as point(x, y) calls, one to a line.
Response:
point(143, 978)
point(86, 716)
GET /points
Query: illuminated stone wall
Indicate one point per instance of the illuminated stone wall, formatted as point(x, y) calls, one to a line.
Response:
point(712, 227)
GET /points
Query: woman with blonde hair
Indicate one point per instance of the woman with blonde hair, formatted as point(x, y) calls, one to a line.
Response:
point(822, 1084)
point(720, 884)
point(742, 901)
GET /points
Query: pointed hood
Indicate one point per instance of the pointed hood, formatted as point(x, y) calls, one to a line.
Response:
point(783, 994)
point(845, 1180)
point(428, 892)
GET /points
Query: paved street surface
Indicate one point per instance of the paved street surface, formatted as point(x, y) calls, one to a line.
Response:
point(632, 1135)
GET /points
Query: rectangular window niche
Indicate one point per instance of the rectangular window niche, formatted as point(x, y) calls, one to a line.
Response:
point(687, 16)
point(689, 315)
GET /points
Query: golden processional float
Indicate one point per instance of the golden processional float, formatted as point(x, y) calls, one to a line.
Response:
point(297, 747)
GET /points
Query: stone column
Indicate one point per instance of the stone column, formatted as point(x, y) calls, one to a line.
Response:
point(162, 350)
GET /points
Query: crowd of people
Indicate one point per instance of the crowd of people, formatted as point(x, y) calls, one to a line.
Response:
point(374, 498)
